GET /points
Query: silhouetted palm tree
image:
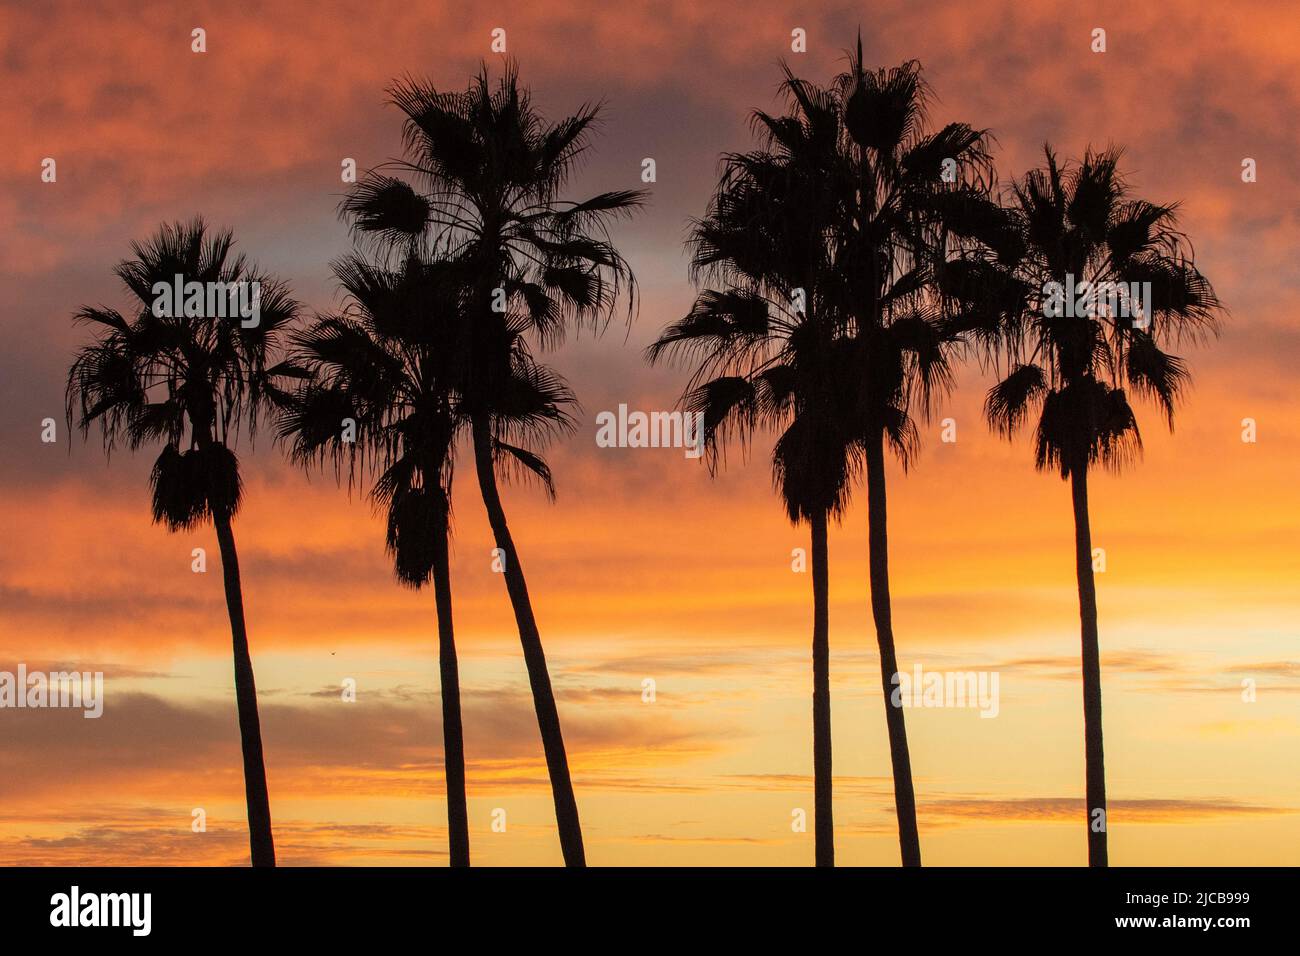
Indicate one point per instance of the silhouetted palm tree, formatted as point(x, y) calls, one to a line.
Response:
point(379, 400)
point(390, 367)
point(1080, 222)
point(900, 201)
point(490, 170)
point(772, 354)
point(194, 383)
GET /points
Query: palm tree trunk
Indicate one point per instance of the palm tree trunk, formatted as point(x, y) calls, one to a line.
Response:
point(878, 549)
point(453, 739)
point(1091, 652)
point(821, 652)
point(548, 718)
point(261, 843)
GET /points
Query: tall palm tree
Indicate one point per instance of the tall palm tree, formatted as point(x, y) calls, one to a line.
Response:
point(380, 366)
point(193, 383)
point(488, 172)
point(903, 203)
point(771, 354)
point(1072, 224)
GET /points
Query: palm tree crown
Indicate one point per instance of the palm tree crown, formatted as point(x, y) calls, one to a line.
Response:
point(194, 383)
point(389, 364)
point(489, 171)
point(378, 403)
point(771, 346)
point(1081, 222)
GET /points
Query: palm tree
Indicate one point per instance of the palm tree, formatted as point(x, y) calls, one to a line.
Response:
point(771, 354)
point(1074, 224)
point(192, 382)
point(901, 202)
point(389, 365)
point(378, 399)
point(490, 171)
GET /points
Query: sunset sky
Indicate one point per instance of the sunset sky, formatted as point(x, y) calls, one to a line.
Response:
point(645, 566)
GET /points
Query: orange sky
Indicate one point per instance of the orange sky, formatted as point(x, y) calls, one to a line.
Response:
point(645, 566)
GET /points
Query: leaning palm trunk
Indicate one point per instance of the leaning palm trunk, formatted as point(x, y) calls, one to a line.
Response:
point(878, 548)
point(250, 729)
point(548, 718)
point(823, 822)
point(453, 739)
point(1094, 754)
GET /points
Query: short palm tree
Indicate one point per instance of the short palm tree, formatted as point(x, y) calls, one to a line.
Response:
point(381, 399)
point(193, 383)
point(1076, 368)
point(772, 355)
point(378, 401)
point(488, 172)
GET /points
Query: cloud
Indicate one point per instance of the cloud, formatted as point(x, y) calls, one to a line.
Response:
point(154, 745)
point(125, 835)
point(1052, 809)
